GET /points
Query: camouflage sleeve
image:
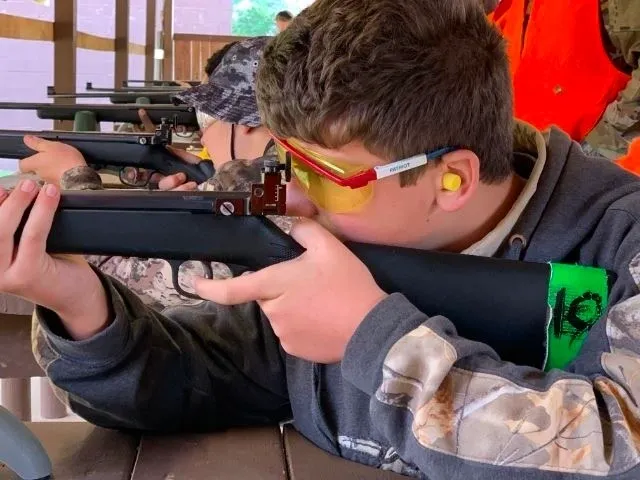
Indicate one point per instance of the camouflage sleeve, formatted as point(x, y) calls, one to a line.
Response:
point(453, 409)
point(152, 279)
point(198, 368)
point(620, 123)
point(81, 178)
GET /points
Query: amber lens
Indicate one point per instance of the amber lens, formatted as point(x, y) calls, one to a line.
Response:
point(325, 193)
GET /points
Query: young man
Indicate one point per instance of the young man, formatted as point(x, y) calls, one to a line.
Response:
point(227, 114)
point(362, 372)
point(231, 126)
point(283, 19)
point(576, 65)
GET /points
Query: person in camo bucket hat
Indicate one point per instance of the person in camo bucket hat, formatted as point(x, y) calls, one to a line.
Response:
point(229, 94)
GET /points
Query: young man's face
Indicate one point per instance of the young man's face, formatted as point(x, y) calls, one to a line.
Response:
point(282, 25)
point(248, 142)
point(391, 215)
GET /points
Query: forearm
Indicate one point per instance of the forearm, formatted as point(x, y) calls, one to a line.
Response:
point(194, 369)
point(451, 407)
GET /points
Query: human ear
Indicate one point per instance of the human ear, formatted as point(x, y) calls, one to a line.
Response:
point(456, 179)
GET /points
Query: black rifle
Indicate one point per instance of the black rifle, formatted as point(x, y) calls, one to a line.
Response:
point(159, 83)
point(180, 115)
point(502, 303)
point(114, 150)
point(148, 88)
point(155, 98)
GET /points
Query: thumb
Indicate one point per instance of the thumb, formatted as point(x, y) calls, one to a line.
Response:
point(309, 233)
point(36, 143)
point(261, 285)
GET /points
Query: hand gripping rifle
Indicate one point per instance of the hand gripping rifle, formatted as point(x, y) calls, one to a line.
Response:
point(115, 150)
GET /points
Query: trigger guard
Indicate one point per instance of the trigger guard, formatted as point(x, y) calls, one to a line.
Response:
point(208, 271)
point(175, 272)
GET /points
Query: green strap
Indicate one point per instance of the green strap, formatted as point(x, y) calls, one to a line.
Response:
point(577, 298)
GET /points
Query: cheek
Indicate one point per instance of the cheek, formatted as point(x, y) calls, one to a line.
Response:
point(217, 145)
point(394, 216)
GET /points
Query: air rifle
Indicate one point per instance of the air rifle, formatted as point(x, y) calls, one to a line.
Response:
point(182, 115)
point(148, 88)
point(154, 97)
point(503, 303)
point(159, 83)
point(114, 150)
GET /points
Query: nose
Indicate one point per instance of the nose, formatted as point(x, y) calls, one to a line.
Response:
point(298, 204)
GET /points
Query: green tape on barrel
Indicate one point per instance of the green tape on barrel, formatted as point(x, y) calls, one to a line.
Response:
point(143, 100)
point(577, 297)
point(85, 121)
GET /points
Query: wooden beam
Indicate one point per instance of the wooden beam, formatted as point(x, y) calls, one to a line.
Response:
point(25, 28)
point(64, 54)
point(121, 42)
point(149, 59)
point(21, 28)
point(167, 40)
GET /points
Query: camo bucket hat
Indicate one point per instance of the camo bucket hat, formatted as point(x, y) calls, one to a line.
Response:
point(230, 93)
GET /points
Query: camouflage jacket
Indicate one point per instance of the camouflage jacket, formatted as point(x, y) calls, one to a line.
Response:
point(410, 394)
point(620, 123)
point(152, 279)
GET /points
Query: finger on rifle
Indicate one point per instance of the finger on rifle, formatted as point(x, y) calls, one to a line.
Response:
point(11, 212)
point(36, 143)
point(172, 181)
point(33, 241)
point(146, 121)
point(261, 285)
point(310, 234)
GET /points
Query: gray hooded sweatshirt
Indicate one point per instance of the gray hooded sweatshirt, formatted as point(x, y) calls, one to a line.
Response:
point(410, 394)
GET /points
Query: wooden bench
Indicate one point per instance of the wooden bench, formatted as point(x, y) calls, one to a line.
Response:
point(79, 450)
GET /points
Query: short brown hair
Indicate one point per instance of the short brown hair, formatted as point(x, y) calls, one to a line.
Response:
point(402, 77)
point(284, 16)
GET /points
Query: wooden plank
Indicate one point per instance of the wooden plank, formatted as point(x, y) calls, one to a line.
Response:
point(121, 70)
point(25, 28)
point(64, 55)
point(16, 356)
point(12, 305)
point(194, 64)
point(33, 29)
point(137, 49)
point(247, 454)
point(88, 41)
point(150, 39)
point(167, 40)
point(224, 39)
point(182, 60)
point(81, 450)
point(305, 461)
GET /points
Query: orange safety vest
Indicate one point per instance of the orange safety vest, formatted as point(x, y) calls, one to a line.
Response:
point(631, 161)
point(561, 72)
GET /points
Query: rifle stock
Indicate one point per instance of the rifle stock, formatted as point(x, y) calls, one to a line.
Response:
point(502, 303)
point(180, 115)
point(111, 150)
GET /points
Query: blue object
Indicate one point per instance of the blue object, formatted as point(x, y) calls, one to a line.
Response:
point(20, 450)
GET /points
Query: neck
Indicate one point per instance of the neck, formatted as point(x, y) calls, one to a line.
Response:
point(489, 206)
